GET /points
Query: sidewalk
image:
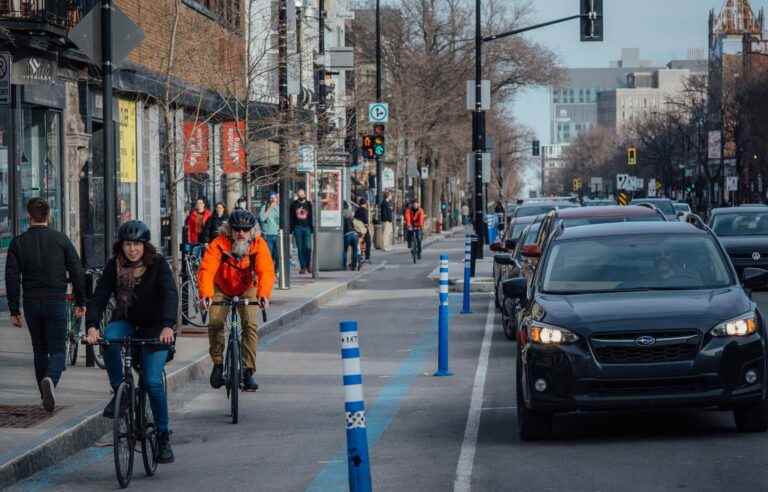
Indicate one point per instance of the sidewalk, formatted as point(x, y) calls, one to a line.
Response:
point(32, 439)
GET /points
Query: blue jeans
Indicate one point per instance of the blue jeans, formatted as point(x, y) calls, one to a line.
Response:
point(47, 323)
point(152, 363)
point(272, 243)
point(303, 237)
point(350, 241)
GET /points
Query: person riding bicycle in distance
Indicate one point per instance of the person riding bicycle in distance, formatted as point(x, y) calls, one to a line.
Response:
point(414, 222)
point(142, 283)
point(236, 263)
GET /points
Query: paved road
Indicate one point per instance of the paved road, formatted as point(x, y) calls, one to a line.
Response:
point(291, 436)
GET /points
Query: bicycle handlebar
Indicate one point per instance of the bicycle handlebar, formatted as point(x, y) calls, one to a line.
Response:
point(236, 301)
point(126, 341)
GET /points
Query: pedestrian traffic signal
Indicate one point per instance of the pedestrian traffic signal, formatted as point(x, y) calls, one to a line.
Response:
point(632, 156)
point(535, 150)
point(591, 20)
point(379, 141)
point(368, 147)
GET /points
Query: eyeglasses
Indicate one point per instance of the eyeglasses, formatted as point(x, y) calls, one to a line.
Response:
point(241, 229)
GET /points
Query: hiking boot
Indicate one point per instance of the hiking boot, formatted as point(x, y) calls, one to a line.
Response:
point(164, 451)
point(49, 397)
point(249, 382)
point(217, 376)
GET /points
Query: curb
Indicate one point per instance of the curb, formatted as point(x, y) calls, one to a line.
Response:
point(82, 431)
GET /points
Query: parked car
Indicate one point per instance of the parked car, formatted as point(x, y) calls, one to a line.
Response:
point(537, 208)
point(682, 207)
point(743, 231)
point(599, 202)
point(637, 315)
point(506, 246)
point(666, 205)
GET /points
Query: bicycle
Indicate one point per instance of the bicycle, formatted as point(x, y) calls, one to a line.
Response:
point(415, 244)
point(233, 359)
point(74, 324)
point(192, 313)
point(137, 423)
point(98, 355)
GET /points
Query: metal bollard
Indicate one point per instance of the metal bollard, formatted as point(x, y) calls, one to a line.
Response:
point(465, 308)
point(281, 264)
point(442, 340)
point(357, 435)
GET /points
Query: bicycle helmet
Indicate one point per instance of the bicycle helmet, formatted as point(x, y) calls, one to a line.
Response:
point(134, 230)
point(242, 219)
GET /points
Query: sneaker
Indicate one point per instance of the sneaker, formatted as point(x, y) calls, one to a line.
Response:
point(49, 398)
point(249, 382)
point(217, 376)
point(164, 450)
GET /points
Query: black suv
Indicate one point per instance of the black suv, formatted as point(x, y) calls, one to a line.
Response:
point(638, 315)
point(743, 232)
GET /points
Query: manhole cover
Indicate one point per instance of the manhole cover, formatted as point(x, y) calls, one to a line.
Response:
point(23, 416)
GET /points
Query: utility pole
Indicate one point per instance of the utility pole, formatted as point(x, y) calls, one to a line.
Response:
point(478, 140)
point(320, 115)
point(110, 186)
point(285, 183)
point(379, 165)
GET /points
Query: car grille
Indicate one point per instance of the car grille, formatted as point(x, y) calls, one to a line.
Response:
point(622, 348)
point(656, 385)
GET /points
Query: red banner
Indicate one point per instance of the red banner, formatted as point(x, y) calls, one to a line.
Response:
point(195, 147)
point(232, 149)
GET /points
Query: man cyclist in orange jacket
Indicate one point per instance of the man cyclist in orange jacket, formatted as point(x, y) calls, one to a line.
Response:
point(236, 263)
point(414, 223)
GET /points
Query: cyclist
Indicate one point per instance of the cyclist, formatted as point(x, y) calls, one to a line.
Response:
point(146, 297)
point(236, 263)
point(414, 223)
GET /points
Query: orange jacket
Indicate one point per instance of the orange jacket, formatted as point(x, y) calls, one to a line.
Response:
point(233, 277)
point(414, 219)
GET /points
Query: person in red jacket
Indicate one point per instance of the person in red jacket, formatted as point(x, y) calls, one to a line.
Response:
point(196, 220)
point(414, 223)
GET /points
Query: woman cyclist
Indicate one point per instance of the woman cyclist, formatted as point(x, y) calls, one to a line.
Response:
point(142, 283)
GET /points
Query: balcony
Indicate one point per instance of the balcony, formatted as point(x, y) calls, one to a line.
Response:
point(35, 16)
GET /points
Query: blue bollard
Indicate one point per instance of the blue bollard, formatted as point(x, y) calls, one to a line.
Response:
point(465, 308)
point(442, 341)
point(358, 465)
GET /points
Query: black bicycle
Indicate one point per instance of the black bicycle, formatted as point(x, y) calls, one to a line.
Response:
point(74, 324)
point(233, 359)
point(133, 420)
point(192, 312)
point(415, 244)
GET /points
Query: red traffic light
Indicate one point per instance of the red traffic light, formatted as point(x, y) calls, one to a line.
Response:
point(378, 130)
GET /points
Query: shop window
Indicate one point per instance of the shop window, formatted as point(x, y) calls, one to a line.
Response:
point(40, 169)
point(6, 231)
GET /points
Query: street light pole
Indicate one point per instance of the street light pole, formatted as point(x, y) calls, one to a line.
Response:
point(478, 140)
point(110, 190)
point(379, 164)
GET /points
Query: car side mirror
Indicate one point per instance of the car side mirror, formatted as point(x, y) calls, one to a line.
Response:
point(514, 288)
point(531, 251)
point(504, 259)
point(755, 278)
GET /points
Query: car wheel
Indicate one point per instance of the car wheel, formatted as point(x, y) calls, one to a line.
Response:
point(753, 418)
point(531, 425)
point(510, 326)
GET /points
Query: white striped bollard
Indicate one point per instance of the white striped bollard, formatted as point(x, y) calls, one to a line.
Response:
point(465, 308)
point(358, 467)
point(442, 314)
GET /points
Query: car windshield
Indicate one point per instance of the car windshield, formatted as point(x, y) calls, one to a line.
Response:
point(609, 220)
point(746, 224)
point(682, 207)
point(635, 263)
point(529, 210)
point(664, 206)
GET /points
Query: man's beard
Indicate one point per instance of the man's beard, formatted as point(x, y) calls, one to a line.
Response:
point(241, 247)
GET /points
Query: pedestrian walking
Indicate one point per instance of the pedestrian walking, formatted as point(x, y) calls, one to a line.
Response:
point(41, 262)
point(350, 238)
point(216, 220)
point(464, 214)
point(387, 220)
point(302, 229)
point(195, 224)
point(142, 284)
point(269, 221)
point(363, 215)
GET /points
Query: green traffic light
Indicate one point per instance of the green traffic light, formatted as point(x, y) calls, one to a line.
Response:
point(379, 150)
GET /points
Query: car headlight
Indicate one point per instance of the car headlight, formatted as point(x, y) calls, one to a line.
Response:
point(545, 334)
point(744, 325)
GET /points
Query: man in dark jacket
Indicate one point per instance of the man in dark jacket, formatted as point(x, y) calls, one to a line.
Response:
point(387, 220)
point(43, 261)
point(302, 229)
point(363, 215)
point(217, 219)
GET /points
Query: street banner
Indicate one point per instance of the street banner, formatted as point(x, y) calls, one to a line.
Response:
point(306, 163)
point(195, 147)
point(715, 146)
point(128, 163)
point(232, 148)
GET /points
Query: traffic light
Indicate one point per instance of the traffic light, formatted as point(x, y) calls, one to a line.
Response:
point(368, 147)
point(535, 150)
point(576, 184)
point(379, 141)
point(632, 156)
point(591, 20)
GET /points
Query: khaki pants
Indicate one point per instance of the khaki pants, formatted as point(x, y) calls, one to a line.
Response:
point(387, 234)
point(249, 316)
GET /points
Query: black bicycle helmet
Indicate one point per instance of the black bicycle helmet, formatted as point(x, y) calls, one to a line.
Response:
point(242, 219)
point(134, 230)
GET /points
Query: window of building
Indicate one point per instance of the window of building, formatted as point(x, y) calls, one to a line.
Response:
point(6, 231)
point(225, 12)
point(40, 170)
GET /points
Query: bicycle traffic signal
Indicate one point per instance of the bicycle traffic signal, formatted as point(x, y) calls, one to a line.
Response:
point(367, 146)
point(591, 20)
point(379, 141)
point(535, 150)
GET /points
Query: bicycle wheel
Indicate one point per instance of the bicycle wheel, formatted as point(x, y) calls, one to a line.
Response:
point(149, 446)
point(191, 312)
point(235, 375)
point(73, 332)
point(123, 438)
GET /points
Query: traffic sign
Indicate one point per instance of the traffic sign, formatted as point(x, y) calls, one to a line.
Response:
point(651, 188)
point(306, 159)
point(126, 35)
point(378, 112)
point(621, 181)
point(732, 183)
point(576, 184)
point(623, 198)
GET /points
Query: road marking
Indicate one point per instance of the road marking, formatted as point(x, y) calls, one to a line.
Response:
point(487, 409)
point(463, 482)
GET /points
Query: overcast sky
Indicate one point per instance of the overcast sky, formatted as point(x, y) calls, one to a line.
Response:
point(661, 29)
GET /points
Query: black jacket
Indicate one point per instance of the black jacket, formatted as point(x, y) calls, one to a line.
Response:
point(42, 261)
point(386, 212)
point(361, 214)
point(154, 306)
point(211, 228)
point(306, 211)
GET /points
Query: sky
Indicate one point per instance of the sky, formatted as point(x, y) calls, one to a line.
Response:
point(661, 29)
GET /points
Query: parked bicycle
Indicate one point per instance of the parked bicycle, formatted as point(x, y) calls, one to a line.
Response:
point(98, 354)
point(233, 359)
point(192, 312)
point(74, 332)
point(133, 422)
